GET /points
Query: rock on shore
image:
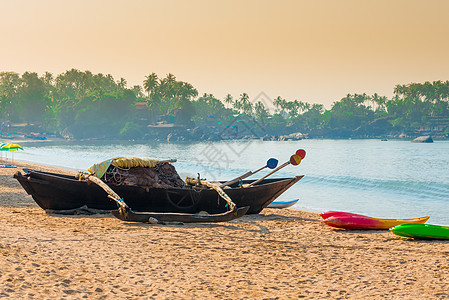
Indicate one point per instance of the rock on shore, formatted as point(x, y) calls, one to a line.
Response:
point(423, 139)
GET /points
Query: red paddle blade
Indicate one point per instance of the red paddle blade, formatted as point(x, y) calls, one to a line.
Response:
point(295, 159)
point(301, 152)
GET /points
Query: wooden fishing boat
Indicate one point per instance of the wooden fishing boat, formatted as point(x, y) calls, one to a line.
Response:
point(53, 191)
point(422, 231)
point(364, 222)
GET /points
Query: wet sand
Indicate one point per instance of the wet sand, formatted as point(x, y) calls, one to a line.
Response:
point(279, 254)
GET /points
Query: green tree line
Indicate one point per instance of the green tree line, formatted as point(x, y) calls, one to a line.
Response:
point(85, 105)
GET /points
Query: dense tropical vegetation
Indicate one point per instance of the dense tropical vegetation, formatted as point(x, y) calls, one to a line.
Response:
point(85, 105)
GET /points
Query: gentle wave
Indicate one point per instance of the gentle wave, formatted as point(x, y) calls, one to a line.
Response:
point(423, 190)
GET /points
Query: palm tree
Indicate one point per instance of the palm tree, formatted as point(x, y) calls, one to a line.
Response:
point(306, 106)
point(150, 83)
point(187, 91)
point(294, 108)
point(137, 89)
point(122, 83)
point(260, 111)
point(9, 85)
point(170, 78)
point(278, 102)
point(374, 100)
point(228, 99)
point(380, 102)
point(399, 90)
point(48, 78)
point(245, 104)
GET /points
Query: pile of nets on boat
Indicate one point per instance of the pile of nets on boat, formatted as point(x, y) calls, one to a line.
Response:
point(147, 173)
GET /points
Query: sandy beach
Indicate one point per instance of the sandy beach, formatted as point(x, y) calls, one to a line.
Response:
point(279, 254)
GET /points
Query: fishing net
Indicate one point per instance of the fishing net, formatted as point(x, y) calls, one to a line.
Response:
point(162, 175)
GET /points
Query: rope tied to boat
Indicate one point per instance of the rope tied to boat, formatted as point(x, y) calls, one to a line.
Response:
point(122, 206)
point(214, 186)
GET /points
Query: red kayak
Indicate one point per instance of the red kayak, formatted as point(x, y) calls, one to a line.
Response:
point(354, 221)
point(333, 213)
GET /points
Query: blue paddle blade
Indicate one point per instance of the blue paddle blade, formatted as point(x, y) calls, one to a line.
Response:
point(272, 163)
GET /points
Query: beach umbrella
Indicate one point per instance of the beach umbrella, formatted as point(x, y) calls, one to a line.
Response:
point(11, 147)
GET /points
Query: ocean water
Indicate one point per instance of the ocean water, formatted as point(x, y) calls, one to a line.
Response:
point(389, 179)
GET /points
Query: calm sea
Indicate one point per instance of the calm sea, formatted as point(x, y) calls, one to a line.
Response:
point(390, 179)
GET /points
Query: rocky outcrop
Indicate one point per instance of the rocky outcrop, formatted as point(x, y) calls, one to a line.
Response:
point(67, 134)
point(289, 137)
point(293, 137)
point(423, 139)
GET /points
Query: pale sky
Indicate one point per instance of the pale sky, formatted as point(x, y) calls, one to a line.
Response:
point(314, 51)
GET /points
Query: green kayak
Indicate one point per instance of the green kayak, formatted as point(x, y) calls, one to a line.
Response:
point(422, 231)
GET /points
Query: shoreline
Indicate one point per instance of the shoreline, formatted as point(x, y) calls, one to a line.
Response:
point(20, 139)
point(282, 254)
point(270, 139)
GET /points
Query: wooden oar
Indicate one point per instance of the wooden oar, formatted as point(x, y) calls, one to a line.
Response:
point(171, 160)
point(295, 160)
point(271, 164)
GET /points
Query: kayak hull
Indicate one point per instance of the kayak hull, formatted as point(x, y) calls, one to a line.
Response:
point(422, 231)
point(333, 213)
point(363, 222)
point(282, 204)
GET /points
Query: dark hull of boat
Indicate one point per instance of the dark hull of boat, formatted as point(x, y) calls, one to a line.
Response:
point(63, 192)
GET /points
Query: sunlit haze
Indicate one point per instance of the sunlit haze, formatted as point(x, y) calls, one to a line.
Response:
point(313, 51)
